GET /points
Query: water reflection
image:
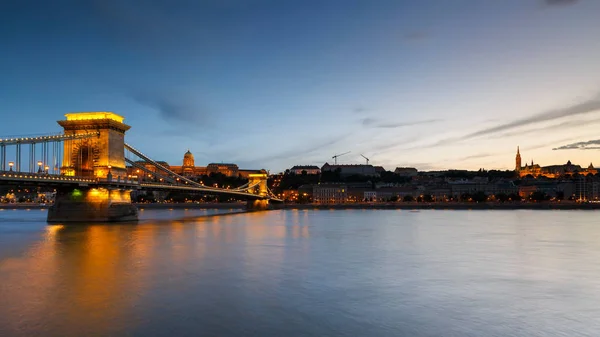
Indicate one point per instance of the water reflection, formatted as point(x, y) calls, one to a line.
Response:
point(303, 272)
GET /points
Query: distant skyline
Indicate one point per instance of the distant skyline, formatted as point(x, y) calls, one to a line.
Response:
point(432, 84)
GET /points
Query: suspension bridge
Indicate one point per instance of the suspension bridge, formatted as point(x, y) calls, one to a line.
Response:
point(87, 164)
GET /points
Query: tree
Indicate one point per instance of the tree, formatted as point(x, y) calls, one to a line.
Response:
point(502, 197)
point(560, 195)
point(479, 196)
point(408, 198)
point(428, 198)
point(466, 197)
point(331, 176)
point(538, 196)
point(393, 198)
point(514, 197)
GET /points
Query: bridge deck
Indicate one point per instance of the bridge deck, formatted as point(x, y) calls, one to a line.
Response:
point(57, 180)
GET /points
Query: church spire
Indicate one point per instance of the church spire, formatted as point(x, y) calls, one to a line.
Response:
point(518, 161)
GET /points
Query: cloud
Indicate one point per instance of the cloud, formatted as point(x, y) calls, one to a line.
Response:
point(580, 145)
point(368, 121)
point(360, 110)
point(174, 109)
point(560, 2)
point(377, 149)
point(476, 156)
point(375, 123)
point(586, 107)
point(399, 125)
point(559, 126)
point(303, 150)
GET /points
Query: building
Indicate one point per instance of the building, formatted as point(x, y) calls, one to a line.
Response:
point(552, 171)
point(189, 168)
point(309, 169)
point(461, 187)
point(330, 193)
point(379, 169)
point(370, 196)
point(349, 170)
point(230, 170)
point(587, 188)
point(275, 181)
point(290, 195)
point(406, 171)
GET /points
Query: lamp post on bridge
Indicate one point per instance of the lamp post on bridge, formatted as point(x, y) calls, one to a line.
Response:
point(46, 169)
point(39, 167)
point(10, 165)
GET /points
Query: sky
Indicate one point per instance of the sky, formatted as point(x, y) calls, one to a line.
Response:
point(432, 84)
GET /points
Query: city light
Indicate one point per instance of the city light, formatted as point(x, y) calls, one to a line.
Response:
point(82, 116)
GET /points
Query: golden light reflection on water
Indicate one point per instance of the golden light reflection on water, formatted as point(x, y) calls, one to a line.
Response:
point(91, 276)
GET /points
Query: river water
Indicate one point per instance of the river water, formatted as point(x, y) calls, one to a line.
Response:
point(303, 273)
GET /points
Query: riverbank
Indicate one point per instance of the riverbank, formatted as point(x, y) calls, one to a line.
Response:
point(448, 206)
point(142, 206)
point(398, 205)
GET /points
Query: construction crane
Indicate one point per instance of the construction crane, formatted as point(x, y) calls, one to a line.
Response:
point(365, 158)
point(339, 155)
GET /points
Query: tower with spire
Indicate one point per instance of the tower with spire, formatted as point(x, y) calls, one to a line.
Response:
point(518, 161)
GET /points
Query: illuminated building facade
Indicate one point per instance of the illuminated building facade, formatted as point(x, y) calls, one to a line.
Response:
point(330, 193)
point(189, 168)
point(552, 171)
point(309, 169)
point(230, 170)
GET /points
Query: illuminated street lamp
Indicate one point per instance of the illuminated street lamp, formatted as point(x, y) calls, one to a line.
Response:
point(10, 165)
point(40, 167)
point(46, 169)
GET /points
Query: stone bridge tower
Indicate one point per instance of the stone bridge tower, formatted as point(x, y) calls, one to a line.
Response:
point(94, 156)
point(261, 179)
point(261, 189)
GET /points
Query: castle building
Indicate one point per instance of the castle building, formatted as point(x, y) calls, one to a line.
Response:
point(552, 171)
point(189, 168)
point(230, 170)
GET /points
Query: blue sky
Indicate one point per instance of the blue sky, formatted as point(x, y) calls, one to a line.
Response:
point(433, 84)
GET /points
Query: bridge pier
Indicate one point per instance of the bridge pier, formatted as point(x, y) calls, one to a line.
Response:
point(257, 205)
point(87, 204)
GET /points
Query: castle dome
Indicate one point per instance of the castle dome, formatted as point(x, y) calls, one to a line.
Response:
point(188, 159)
